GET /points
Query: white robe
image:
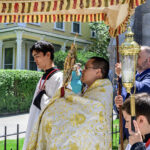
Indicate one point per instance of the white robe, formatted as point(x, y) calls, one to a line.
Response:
point(51, 86)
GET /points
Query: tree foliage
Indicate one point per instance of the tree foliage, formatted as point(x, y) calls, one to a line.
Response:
point(102, 38)
point(82, 57)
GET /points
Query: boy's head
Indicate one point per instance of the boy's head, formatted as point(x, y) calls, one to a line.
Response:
point(142, 107)
point(44, 47)
point(95, 68)
point(43, 53)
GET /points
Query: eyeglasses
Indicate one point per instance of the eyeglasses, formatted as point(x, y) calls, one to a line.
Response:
point(86, 68)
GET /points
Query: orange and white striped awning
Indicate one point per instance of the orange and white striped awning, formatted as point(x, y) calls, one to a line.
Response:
point(114, 12)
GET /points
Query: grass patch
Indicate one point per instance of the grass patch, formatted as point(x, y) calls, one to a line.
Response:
point(115, 142)
point(12, 144)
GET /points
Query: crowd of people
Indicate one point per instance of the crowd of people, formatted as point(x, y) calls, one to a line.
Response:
point(82, 118)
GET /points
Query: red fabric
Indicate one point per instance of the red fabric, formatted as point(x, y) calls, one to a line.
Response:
point(137, 3)
point(55, 5)
point(0, 19)
point(119, 30)
point(16, 7)
point(90, 18)
point(28, 18)
point(14, 18)
point(147, 143)
point(41, 20)
point(66, 18)
point(62, 92)
point(74, 4)
point(93, 3)
point(112, 2)
point(35, 6)
point(54, 18)
point(102, 16)
point(42, 86)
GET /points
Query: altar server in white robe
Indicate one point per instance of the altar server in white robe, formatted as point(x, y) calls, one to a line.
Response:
point(50, 82)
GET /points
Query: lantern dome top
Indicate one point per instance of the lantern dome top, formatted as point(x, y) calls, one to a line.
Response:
point(129, 46)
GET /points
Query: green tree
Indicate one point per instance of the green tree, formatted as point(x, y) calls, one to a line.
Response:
point(82, 57)
point(102, 39)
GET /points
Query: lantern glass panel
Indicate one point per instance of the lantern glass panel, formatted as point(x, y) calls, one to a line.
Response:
point(128, 68)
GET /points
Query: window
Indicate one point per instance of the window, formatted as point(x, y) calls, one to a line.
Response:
point(76, 27)
point(59, 26)
point(93, 34)
point(32, 64)
point(8, 58)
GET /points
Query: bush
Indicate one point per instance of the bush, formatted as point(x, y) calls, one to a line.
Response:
point(17, 89)
point(82, 57)
point(60, 58)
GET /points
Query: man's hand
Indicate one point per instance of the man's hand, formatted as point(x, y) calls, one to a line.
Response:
point(134, 136)
point(118, 101)
point(118, 69)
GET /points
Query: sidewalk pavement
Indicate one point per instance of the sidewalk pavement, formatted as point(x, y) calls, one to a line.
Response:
point(11, 123)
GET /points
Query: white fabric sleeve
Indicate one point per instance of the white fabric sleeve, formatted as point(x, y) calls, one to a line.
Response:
point(51, 86)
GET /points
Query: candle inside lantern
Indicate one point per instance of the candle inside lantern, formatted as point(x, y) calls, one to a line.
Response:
point(127, 76)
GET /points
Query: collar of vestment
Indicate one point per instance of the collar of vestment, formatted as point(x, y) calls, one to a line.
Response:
point(97, 83)
point(47, 72)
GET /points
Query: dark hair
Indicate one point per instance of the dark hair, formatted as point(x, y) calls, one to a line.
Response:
point(142, 105)
point(103, 64)
point(43, 46)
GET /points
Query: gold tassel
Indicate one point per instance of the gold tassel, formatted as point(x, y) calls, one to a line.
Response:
point(97, 18)
point(25, 19)
point(20, 18)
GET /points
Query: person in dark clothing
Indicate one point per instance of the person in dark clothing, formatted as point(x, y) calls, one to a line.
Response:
point(140, 139)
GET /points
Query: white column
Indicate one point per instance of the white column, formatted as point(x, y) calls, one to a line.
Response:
point(19, 49)
point(1, 45)
point(23, 55)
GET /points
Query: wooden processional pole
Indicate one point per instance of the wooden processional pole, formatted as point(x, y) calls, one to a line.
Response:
point(119, 93)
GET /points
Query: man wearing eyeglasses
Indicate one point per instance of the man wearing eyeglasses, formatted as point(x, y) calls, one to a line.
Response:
point(96, 68)
point(78, 122)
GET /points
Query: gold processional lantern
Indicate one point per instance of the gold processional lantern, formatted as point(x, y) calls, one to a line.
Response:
point(129, 53)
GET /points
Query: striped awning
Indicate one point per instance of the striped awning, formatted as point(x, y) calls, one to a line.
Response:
point(115, 13)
